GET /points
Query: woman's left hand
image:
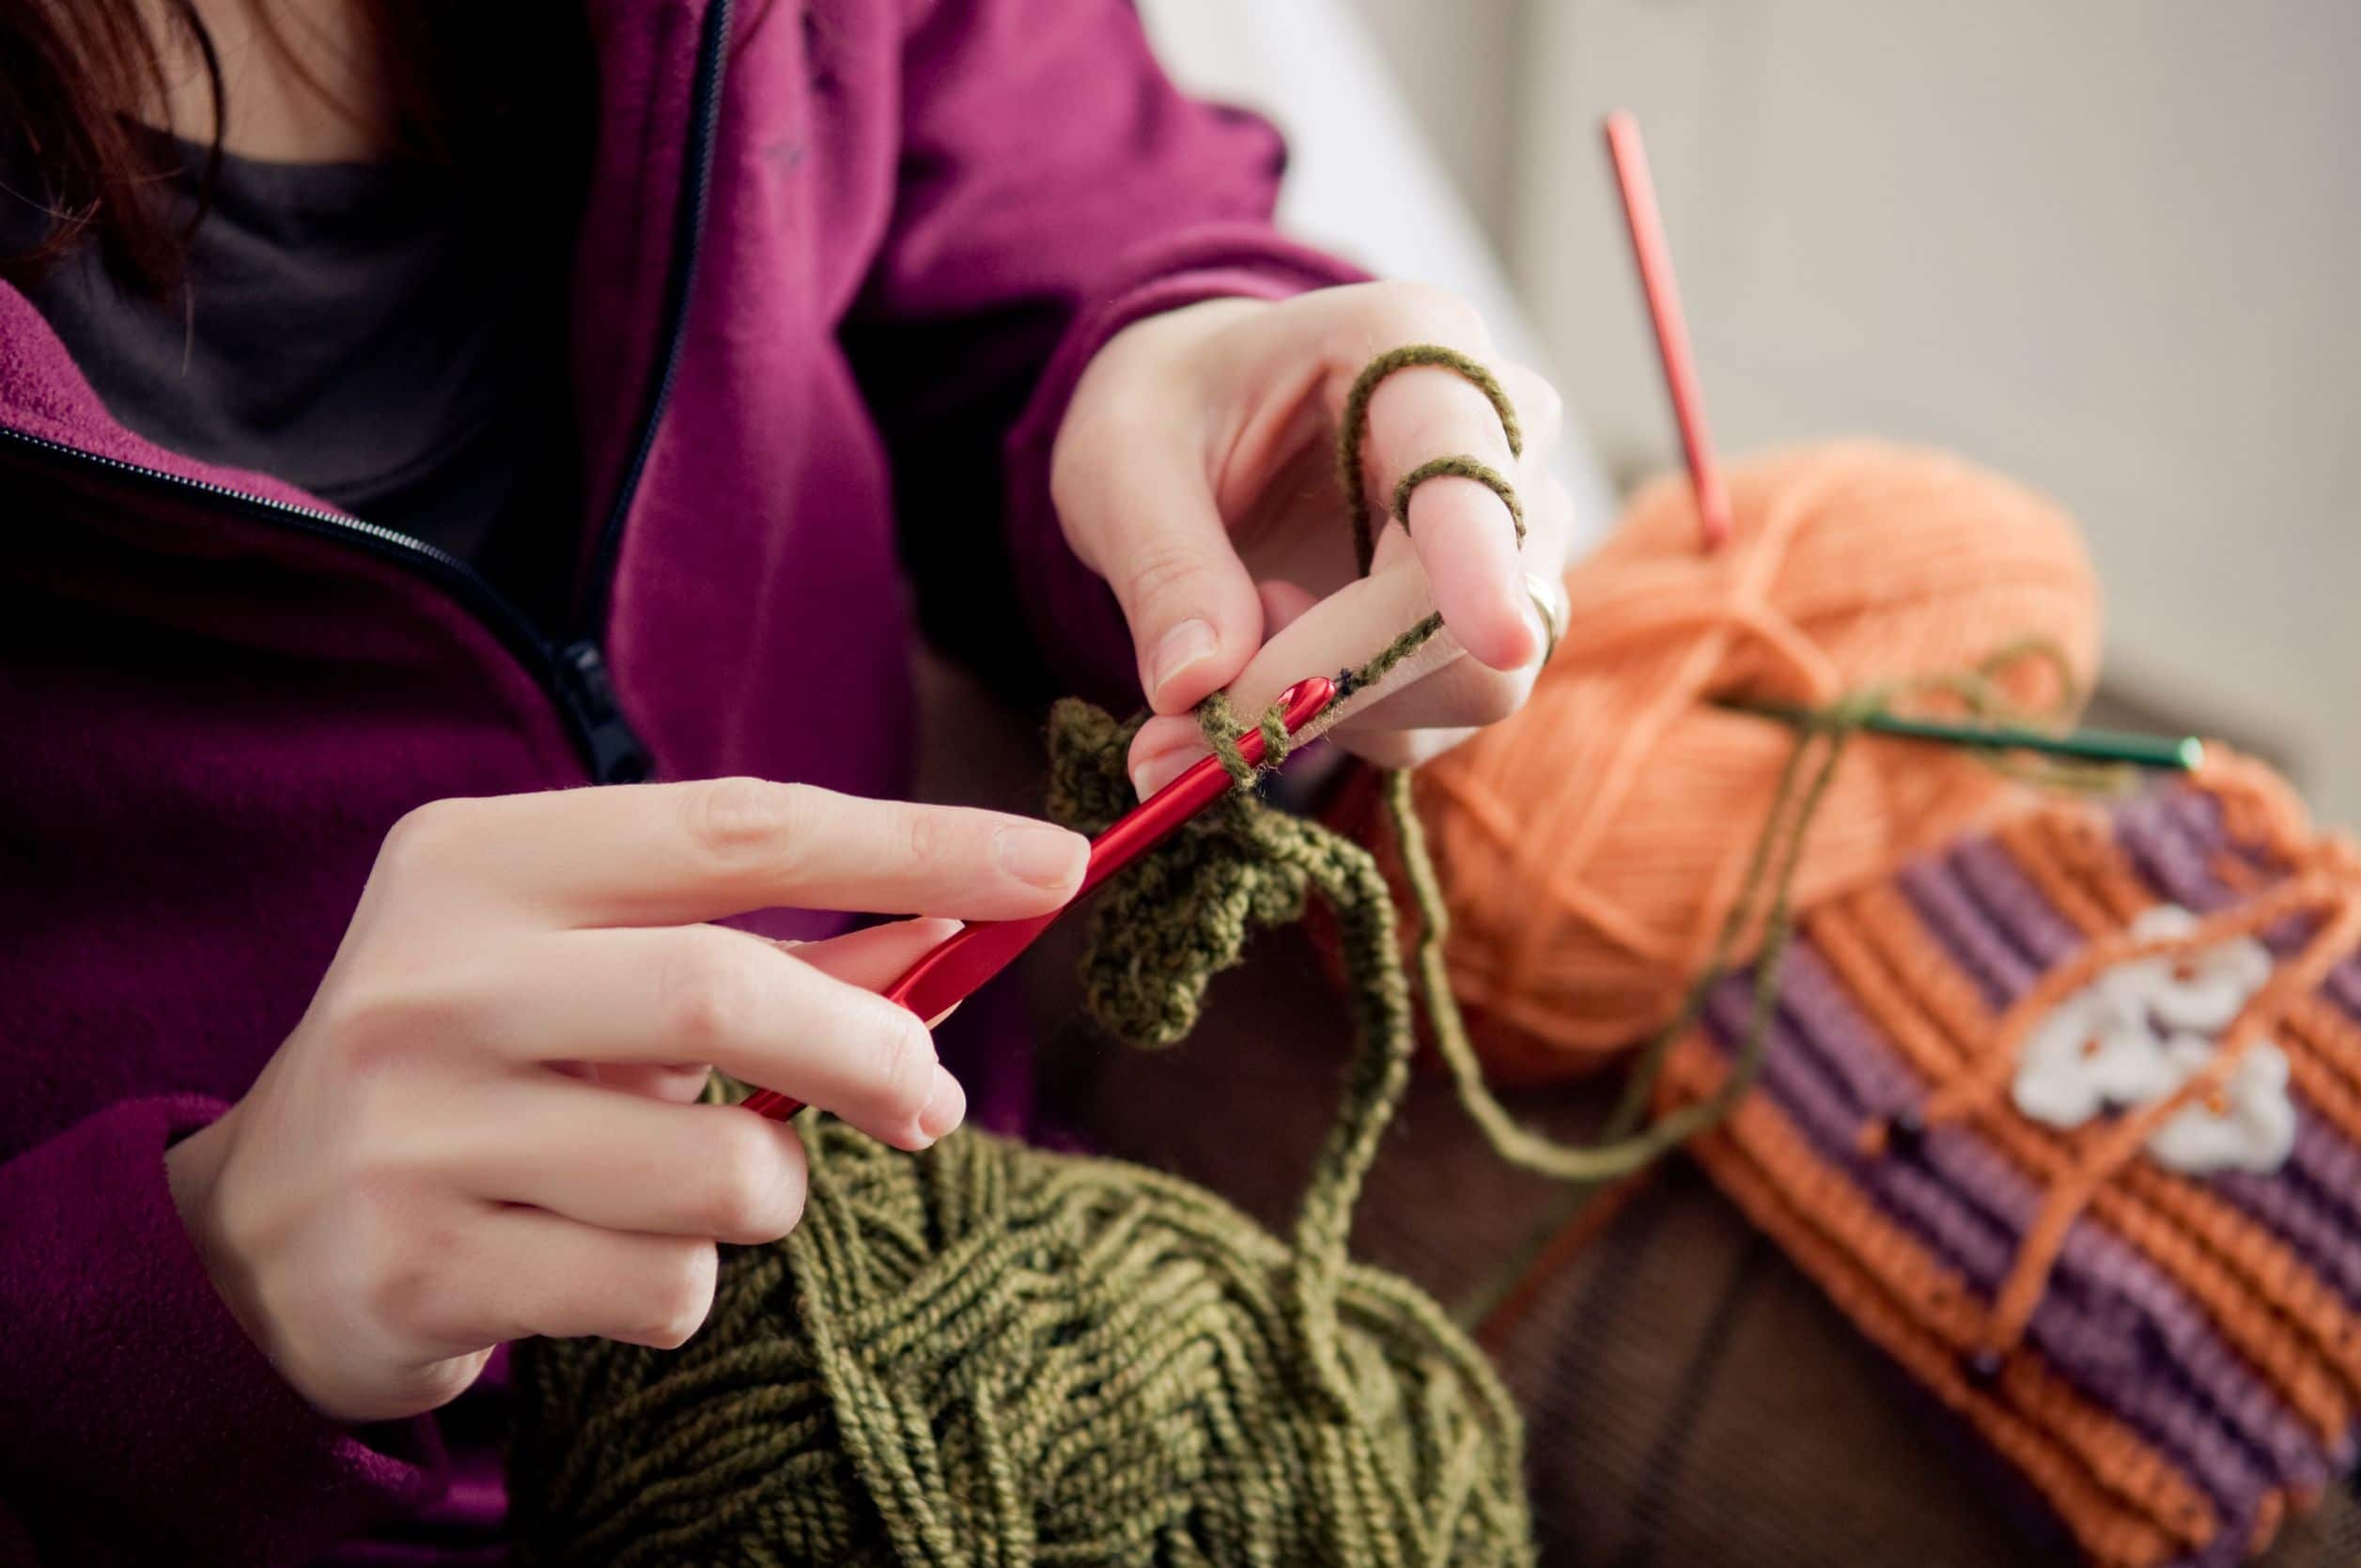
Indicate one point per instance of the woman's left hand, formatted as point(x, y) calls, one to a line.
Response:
point(1195, 472)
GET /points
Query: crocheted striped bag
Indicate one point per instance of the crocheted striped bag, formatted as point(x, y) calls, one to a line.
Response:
point(2067, 1119)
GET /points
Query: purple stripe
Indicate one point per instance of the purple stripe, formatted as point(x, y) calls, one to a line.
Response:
point(1998, 969)
point(2310, 1203)
point(2304, 1214)
point(2173, 837)
point(2017, 907)
point(2282, 1205)
point(2090, 1322)
point(1826, 1027)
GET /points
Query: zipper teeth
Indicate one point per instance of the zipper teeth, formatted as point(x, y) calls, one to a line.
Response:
point(462, 580)
point(540, 654)
point(689, 226)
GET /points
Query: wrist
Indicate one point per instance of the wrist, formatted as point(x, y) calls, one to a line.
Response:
point(193, 1174)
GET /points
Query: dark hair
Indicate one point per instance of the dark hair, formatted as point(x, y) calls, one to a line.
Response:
point(79, 73)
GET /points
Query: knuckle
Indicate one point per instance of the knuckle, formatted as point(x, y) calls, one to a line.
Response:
point(678, 1295)
point(425, 838)
point(739, 822)
point(756, 1194)
point(439, 1382)
point(1166, 571)
point(384, 1023)
point(925, 837)
point(1413, 310)
point(904, 1066)
point(401, 1285)
point(709, 991)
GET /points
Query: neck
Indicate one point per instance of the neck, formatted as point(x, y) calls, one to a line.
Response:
point(302, 80)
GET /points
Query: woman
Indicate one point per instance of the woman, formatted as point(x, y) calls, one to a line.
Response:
point(409, 415)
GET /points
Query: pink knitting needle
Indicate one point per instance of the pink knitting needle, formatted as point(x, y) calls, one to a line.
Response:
point(946, 974)
point(1630, 158)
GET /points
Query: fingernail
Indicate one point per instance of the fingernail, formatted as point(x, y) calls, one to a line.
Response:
point(1183, 646)
point(1154, 773)
point(945, 1108)
point(1044, 856)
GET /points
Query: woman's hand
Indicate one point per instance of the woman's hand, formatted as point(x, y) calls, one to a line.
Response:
point(481, 1128)
point(1194, 471)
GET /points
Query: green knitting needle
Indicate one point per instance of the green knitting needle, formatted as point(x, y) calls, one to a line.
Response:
point(2182, 753)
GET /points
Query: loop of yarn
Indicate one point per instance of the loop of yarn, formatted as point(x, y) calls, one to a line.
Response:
point(1353, 427)
point(1593, 847)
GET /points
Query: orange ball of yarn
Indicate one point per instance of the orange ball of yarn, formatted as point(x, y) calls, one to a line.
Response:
point(1591, 847)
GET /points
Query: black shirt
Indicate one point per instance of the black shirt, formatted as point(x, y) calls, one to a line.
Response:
point(378, 334)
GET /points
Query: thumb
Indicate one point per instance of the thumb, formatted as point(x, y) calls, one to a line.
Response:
point(1158, 541)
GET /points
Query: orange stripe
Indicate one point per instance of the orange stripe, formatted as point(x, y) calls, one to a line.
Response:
point(2125, 1503)
point(2281, 1279)
point(1897, 940)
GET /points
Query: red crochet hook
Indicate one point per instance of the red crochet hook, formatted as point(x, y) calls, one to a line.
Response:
point(950, 972)
point(1629, 157)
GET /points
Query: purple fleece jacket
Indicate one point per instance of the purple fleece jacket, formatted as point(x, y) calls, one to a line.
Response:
point(841, 261)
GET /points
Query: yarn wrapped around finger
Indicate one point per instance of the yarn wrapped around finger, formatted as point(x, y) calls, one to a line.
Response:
point(1591, 847)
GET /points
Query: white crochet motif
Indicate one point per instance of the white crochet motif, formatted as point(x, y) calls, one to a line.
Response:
point(2138, 1033)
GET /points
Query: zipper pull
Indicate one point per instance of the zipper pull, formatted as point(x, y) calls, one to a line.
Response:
point(616, 754)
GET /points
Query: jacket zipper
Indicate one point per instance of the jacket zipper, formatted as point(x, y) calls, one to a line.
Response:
point(572, 670)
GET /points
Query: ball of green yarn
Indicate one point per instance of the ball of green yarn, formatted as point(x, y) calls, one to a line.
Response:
point(989, 1354)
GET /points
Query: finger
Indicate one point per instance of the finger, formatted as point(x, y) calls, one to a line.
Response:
point(1402, 748)
point(669, 853)
point(701, 993)
point(1463, 695)
point(621, 1162)
point(673, 1082)
point(1468, 693)
point(871, 960)
point(1139, 506)
point(512, 1273)
point(875, 958)
point(1462, 531)
point(1342, 631)
point(1284, 604)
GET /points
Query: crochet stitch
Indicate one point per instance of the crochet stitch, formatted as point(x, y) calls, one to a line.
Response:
point(2172, 1357)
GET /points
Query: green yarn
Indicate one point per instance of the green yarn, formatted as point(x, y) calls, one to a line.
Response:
point(991, 1354)
point(1353, 430)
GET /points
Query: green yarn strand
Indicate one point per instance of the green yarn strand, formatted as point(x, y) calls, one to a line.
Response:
point(1460, 468)
point(1353, 431)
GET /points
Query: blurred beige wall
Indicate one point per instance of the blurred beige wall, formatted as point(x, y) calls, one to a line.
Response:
point(2110, 246)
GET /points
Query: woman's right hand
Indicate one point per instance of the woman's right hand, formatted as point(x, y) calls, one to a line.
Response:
point(483, 1129)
